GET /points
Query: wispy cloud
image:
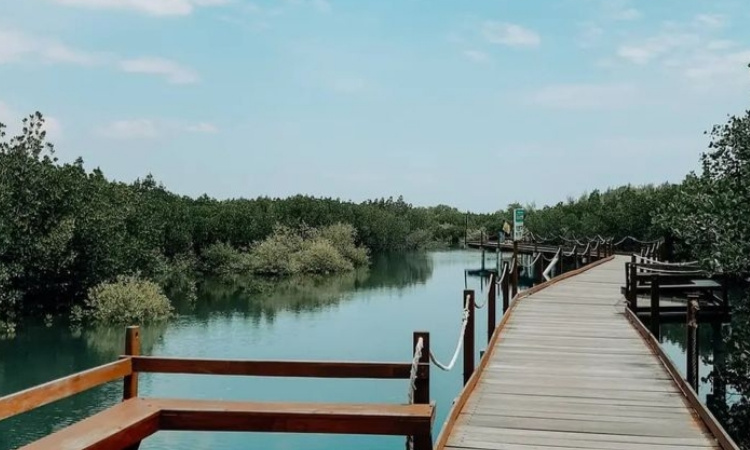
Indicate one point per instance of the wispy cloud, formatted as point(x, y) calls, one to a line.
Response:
point(585, 96)
point(15, 46)
point(170, 70)
point(202, 127)
point(627, 14)
point(151, 129)
point(694, 50)
point(509, 34)
point(711, 20)
point(150, 7)
point(651, 48)
point(477, 56)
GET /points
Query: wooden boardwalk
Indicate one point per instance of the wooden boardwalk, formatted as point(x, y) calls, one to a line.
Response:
point(568, 370)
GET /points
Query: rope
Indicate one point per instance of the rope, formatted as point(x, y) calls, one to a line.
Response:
point(631, 238)
point(532, 263)
point(681, 272)
point(459, 344)
point(413, 373)
point(664, 263)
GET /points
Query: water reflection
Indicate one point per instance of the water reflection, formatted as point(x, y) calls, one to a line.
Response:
point(208, 327)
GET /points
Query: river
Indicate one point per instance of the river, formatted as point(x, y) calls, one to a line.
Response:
point(368, 316)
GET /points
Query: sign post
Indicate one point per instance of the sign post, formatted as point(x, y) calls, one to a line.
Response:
point(518, 224)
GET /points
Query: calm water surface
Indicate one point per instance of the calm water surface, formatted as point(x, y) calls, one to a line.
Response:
point(366, 316)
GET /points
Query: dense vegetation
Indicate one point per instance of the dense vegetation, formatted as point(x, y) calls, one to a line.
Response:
point(710, 217)
point(65, 230)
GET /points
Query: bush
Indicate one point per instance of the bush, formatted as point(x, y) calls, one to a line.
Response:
point(222, 259)
point(320, 256)
point(343, 237)
point(277, 254)
point(128, 299)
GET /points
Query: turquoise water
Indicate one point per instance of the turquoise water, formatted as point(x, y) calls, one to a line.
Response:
point(366, 316)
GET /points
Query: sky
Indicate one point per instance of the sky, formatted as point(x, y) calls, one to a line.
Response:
point(471, 103)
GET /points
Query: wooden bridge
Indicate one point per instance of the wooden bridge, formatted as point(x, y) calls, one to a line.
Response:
point(571, 364)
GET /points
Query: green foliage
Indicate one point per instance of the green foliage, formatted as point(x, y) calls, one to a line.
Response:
point(320, 256)
point(618, 212)
point(277, 254)
point(221, 258)
point(343, 237)
point(128, 299)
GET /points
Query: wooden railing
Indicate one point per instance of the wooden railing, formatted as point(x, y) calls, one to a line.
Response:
point(125, 425)
point(651, 278)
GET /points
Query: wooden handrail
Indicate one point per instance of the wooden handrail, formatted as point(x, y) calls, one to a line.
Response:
point(34, 397)
point(307, 369)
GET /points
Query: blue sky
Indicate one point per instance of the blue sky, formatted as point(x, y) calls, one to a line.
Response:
point(470, 103)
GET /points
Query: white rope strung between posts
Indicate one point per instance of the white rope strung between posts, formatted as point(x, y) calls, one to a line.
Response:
point(414, 366)
point(477, 305)
point(665, 263)
point(464, 321)
point(532, 263)
point(680, 272)
point(551, 265)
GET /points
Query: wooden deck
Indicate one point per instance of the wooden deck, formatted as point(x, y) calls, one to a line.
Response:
point(566, 369)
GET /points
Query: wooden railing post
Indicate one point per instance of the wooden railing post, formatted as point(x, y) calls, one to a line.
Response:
point(132, 348)
point(655, 317)
point(575, 257)
point(422, 382)
point(469, 336)
point(514, 269)
point(505, 285)
point(633, 291)
point(560, 263)
point(598, 251)
point(692, 342)
point(491, 307)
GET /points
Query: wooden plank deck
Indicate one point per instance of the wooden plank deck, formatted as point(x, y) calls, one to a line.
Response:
point(569, 371)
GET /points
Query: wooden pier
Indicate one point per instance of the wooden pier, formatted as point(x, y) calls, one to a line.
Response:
point(571, 364)
point(566, 368)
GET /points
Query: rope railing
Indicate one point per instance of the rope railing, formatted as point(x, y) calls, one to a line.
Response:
point(572, 252)
point(665, 263)
point(477, 305)
point(459, 344)
point(414, 367)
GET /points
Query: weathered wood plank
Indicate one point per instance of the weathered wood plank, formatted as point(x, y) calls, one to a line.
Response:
point(568, 371)
point(315, 369)
point(52, 391)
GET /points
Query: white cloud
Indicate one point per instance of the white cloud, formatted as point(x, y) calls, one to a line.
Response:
point(627, 14)
point(202, 127)
point(130, 129)
point(510, 34)
point(477, 56)
point(15, 46)
point(151, 7)
point(709, 69)
point(152, 129)
point(711, 20)
point(650, 49)
point(585, 96)
point(172, 71)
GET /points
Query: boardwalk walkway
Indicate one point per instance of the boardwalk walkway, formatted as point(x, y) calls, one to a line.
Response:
point(569, 371)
